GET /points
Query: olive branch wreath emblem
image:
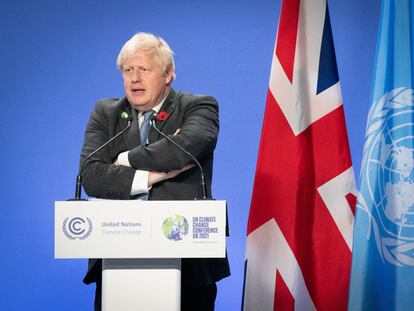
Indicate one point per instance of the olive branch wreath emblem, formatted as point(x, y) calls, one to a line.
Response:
point(394, 250)
point(70, 236)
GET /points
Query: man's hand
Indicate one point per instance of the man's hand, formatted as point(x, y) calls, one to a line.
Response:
point(156, 177)
point(122, 159)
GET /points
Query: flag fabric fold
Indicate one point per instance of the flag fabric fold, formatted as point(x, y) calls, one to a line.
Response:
point(298, 250)
point(383, 256)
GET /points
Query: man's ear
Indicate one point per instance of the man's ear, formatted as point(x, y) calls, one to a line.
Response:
point(168, 76)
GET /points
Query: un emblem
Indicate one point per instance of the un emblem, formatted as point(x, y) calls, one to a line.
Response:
point(387, 184)
point(77, 228)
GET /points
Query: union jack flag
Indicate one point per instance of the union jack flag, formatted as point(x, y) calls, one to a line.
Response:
point(299, 240)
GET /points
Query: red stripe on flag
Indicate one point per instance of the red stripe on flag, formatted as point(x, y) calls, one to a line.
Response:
point(283, 298)
point(287, 33)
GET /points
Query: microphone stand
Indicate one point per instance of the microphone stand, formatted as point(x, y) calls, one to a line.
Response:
point(78, 189)
point(203, 183)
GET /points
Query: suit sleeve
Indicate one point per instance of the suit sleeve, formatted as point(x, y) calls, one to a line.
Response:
point(100, 177)
point(198, 135)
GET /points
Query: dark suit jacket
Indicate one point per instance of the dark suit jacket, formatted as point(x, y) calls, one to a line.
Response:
point(197, 118)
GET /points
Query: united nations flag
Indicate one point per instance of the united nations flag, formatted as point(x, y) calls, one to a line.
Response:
point(382, 276)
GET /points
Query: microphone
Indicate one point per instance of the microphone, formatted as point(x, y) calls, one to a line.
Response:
point(78, 191)
point(203, 183)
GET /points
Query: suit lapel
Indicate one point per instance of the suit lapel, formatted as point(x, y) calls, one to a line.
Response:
point(168, 107)
point(131, 136)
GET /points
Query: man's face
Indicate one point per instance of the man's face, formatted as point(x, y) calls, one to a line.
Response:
point(144, 82)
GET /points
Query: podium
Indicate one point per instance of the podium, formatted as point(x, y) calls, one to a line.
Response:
point(141, 244)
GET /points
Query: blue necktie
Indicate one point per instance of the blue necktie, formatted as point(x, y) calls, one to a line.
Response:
point(144, 129)
point(143, 133)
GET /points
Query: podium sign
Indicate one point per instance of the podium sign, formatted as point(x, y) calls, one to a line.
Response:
point(140, 229)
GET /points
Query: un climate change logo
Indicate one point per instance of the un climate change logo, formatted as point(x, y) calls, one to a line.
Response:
point(175, 228)
point(388, 176)
point(77, 227)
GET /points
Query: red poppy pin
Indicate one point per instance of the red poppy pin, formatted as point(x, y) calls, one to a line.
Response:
point(162, 116)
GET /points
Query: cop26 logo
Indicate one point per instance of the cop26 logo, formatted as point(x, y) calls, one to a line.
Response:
point(387, 176)
point(175, 228)
point(77, 227)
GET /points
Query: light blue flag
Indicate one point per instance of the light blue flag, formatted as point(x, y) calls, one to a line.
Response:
point(382, 275)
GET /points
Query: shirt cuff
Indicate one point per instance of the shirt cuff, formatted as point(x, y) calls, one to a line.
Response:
point(123, 159)
point(140, 182)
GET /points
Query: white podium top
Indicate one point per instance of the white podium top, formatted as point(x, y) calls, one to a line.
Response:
point(139, 229)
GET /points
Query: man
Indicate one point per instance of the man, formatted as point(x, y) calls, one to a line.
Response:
point(134, 165)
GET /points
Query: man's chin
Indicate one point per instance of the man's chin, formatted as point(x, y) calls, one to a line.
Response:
point(138, 104)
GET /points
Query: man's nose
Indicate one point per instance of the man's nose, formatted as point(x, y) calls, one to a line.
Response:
point(136, 76)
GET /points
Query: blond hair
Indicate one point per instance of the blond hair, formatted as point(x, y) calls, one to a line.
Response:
point(151, 44)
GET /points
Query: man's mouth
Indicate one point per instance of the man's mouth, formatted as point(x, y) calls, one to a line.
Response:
point(138, 91)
